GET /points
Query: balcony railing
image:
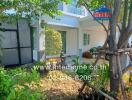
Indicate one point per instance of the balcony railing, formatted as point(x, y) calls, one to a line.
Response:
point(72, 9)
point(60, 6)
point(75, 10)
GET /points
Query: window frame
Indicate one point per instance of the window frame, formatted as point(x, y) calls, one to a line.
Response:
point(86, 39)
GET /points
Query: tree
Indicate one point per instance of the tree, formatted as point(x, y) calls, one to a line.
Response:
point(121, 14)
point(53, 42)
point(29, 8)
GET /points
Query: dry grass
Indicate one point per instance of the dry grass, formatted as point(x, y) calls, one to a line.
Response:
point(60, 86)
point(128, 93)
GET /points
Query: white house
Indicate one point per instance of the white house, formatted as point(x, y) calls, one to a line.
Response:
point(79, 31)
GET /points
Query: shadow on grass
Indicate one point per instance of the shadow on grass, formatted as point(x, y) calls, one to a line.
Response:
point(57, 94)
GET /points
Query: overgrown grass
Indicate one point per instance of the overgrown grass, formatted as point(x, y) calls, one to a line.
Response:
point(20, 84)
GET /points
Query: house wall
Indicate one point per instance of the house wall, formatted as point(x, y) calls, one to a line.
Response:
point(62, 20)
point(97, 38)
point(38, 40)
point(71, 39)
point(96, 32)
point(74, 36)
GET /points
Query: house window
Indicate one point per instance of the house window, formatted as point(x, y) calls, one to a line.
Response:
point(86, 39)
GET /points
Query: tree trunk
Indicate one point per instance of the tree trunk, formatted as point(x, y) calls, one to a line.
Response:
point(114, 75)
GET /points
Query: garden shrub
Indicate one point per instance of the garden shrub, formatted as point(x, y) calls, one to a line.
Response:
point(53, 42)
point(96, 75)
point(19, 84)
point(84, 72)
point(103, 76)
point(76, 61)
point(41, 67)
point(95, 49)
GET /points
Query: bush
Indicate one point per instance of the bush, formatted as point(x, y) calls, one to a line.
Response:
point(96, 75)
point(19, 84)
point(95, 49)
point(84, 72)
point(53, 42)
point(103, 76)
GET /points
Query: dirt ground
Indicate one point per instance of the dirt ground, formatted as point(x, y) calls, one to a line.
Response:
point(60, 86)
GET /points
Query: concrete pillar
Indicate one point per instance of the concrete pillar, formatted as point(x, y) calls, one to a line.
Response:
point(80, 43)
point(39, 42)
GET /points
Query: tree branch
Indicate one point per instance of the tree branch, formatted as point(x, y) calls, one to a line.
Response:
point(130, 17)
point(120, 76)
point(119, 28)
point(113, 24)
point(125, 16)
point(125, 36)
point(86, 6)
point(101, 92)
point(104, 46)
